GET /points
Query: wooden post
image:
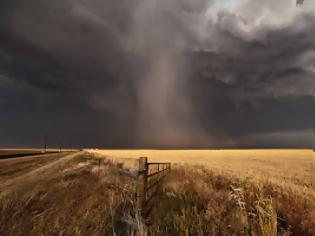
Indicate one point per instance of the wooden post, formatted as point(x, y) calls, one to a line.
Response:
point(142, 185)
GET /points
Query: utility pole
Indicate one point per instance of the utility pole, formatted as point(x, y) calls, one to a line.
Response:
point(45, 147)
point(60, 145)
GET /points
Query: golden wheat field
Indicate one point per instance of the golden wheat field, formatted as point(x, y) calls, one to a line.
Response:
point(239, 192)
point(208, 192)
point(294, 167)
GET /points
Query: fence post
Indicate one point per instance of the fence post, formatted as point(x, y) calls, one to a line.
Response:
point(142, 185)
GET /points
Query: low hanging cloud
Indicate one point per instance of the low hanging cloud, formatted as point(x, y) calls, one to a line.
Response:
point(167, 73)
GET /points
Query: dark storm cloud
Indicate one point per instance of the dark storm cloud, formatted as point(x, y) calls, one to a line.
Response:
point(258, 82)
point(285, 55)
point(156, 73)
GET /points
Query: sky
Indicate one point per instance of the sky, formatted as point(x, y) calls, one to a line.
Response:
point(157, 74)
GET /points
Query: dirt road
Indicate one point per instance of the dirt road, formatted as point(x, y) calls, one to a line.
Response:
point(25, 172)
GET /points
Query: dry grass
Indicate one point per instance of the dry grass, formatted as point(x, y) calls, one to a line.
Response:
point(70, 195)
point(226, 192)
point(196, 201)
point(207, 193)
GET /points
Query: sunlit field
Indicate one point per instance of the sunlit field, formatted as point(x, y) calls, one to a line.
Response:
point(208, 192)
point(231, 192)
point(294, 166)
